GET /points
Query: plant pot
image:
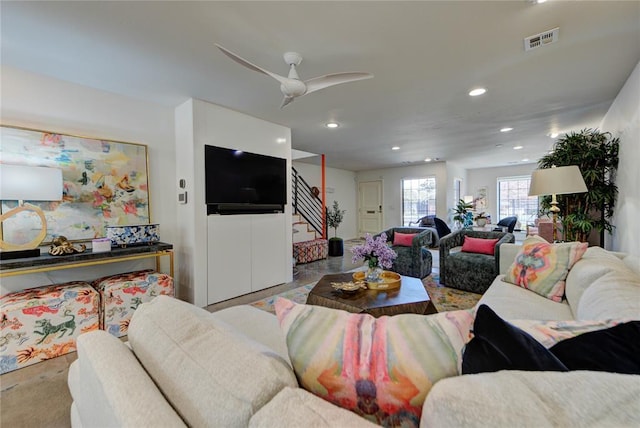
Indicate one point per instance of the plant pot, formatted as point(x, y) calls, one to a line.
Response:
point(481, 222)
point(336, 247)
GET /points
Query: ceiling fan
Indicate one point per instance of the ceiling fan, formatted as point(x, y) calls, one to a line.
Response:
point(291, 86)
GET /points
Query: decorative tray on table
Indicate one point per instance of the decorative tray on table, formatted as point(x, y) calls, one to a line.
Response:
point(350, 287)
point(390, 280)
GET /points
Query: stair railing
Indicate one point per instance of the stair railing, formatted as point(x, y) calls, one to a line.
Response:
point(306, 202)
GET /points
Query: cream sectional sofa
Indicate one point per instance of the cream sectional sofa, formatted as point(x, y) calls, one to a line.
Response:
point(184, 366)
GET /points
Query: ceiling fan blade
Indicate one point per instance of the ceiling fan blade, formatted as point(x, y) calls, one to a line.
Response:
point(286, 101)
point(251, 66)
point(327, 80)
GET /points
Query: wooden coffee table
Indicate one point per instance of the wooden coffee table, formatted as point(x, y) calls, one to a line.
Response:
point(410, 298)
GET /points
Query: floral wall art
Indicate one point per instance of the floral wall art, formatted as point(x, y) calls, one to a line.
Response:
point(105, 183)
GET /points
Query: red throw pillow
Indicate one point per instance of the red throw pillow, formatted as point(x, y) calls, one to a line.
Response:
point(479, 245)
point(403, 239)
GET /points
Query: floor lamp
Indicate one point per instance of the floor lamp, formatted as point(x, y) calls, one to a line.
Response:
point(31, 183)
point(554, 181)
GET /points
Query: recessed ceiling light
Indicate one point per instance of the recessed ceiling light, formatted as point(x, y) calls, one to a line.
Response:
point(525, 160)
point(554, 135)
point(517, 147)
point(477, 91)
point(427, 160)
point(395, 148)
point(281, 140)
point(506, 129)
point(332, 125)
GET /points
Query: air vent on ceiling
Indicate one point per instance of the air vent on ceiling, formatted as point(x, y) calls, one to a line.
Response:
point(542, 39)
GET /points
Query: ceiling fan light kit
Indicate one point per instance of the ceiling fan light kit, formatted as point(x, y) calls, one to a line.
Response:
point(291, 86)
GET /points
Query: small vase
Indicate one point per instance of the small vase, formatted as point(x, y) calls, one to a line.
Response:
point(374, 274)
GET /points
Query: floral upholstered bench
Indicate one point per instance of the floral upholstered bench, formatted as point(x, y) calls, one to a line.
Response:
point(310, 251)
point(122, 294)
point(44, 322)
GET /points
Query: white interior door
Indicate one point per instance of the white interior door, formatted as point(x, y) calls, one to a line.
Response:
point(370, 207)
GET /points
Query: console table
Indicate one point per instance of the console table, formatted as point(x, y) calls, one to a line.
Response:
point(46, 262)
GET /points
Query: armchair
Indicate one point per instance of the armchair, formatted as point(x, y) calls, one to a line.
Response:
point(470, 271)
point(415, 260)
point(432, 222)
point(508, 222)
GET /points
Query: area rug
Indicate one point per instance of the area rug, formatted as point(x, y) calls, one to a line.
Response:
point(444, 298)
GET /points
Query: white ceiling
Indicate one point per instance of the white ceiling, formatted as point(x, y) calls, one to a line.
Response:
point(425, 56)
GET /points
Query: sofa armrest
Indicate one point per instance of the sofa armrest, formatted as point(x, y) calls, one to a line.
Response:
point(422, 239)
point(111, 388)
point(447, 243)
point(507, 255)
point(388, 232)
point(508, 238)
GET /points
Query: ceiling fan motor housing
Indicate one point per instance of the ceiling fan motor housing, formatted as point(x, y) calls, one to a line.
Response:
point(292, 58)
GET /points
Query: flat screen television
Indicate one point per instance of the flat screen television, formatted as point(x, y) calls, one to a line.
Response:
point(242, 182)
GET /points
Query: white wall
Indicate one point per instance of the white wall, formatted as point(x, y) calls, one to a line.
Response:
point(623, 121)
point(488, 177)
point(199, 123)
point(341, 185)
point(392, 188)
point(39, 102)
point(455, 171)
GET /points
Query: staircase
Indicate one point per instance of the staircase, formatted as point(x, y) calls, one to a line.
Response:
point(302, 230)
point(308, 245)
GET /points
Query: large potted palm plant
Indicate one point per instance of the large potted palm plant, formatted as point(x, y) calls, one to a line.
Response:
point(334, 217)
point(596, 154)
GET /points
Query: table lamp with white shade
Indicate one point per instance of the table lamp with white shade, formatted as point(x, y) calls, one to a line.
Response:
point(561, 180)
point(30, 183)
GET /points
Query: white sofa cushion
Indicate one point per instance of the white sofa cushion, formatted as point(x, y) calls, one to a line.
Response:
point(595, 263)
point(613, 295)
point(534, 399)
point(295, 407)
point(210, 373)
point(513, 302)
point(256, 324)
point(104, 368)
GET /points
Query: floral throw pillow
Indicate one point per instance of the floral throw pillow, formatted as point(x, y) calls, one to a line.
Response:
point(380, 368)
point(543, 267)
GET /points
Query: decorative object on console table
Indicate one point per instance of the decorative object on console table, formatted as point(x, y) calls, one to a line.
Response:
point(556, 181)
point(105, 182)
point(62, 247)
point(122, 236)
point(100, 245)
point(334, 218)
point(31, 183)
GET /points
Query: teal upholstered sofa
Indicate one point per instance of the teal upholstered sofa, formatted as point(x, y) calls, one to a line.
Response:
point(470, 271)
point(415, 260)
